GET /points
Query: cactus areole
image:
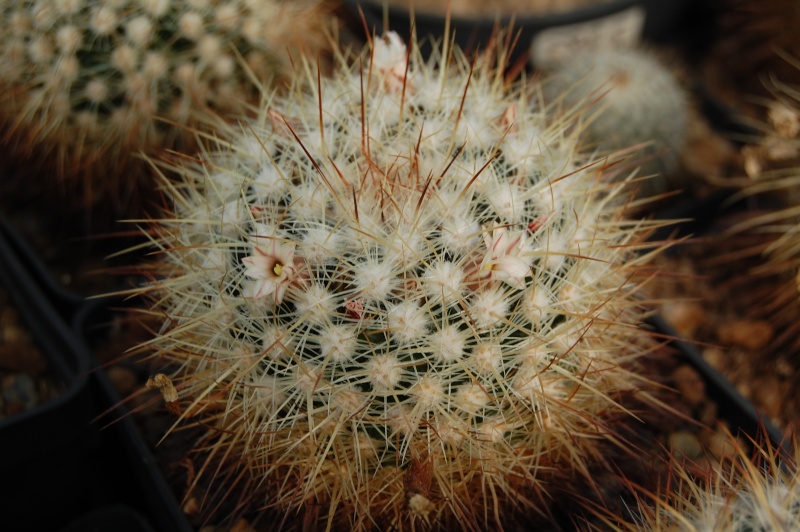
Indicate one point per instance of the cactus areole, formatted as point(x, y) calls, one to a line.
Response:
point(400, 296)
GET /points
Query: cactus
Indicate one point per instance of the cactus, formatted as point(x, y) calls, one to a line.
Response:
point(399, 297)
point(748, 489)
point(89, 85)
point(635, 99)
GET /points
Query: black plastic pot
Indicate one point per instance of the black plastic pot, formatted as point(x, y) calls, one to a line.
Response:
point(627, 20)
point(740, 413)
point(60, 467)
point(46, 450)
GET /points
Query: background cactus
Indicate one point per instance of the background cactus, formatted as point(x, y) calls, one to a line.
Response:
point(400, 296)
point(634, 99)
point(89, 85)
point(756, 487)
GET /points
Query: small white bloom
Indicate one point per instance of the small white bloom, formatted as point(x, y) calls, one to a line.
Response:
point(272, 265)
point(504, 260)
point(104, 21)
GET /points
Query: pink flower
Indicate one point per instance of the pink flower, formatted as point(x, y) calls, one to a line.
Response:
point(503, 260)
point(272, 264)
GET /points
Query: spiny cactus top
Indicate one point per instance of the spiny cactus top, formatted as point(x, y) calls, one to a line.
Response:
point(400, 294)
point(94, 81)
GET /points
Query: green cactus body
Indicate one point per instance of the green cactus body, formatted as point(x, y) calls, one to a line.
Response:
point(88, 86)
point(633, 99)
point(400, 296)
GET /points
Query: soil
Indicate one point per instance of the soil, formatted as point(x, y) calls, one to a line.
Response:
point(26, 379)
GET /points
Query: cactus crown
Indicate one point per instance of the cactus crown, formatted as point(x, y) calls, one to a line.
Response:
point(401, 293)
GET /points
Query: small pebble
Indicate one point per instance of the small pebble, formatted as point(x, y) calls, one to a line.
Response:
point(123, 379)
point(720, 443)
point(714, 356)
point(685, 444)
point(707, 414)
point(768, 394)
point(19, 393)
point(191, 506)
point(685, 317)
point(690, 384)
point(749, 334)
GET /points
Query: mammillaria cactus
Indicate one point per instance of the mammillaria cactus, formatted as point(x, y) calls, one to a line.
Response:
point(635, 99)
point(758, 490)
point(89, 85)
point(399, 297)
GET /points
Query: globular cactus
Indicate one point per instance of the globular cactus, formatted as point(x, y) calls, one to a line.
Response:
point(756, 489)
point(88, 86)
point(399, 297)
point(633, 99)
